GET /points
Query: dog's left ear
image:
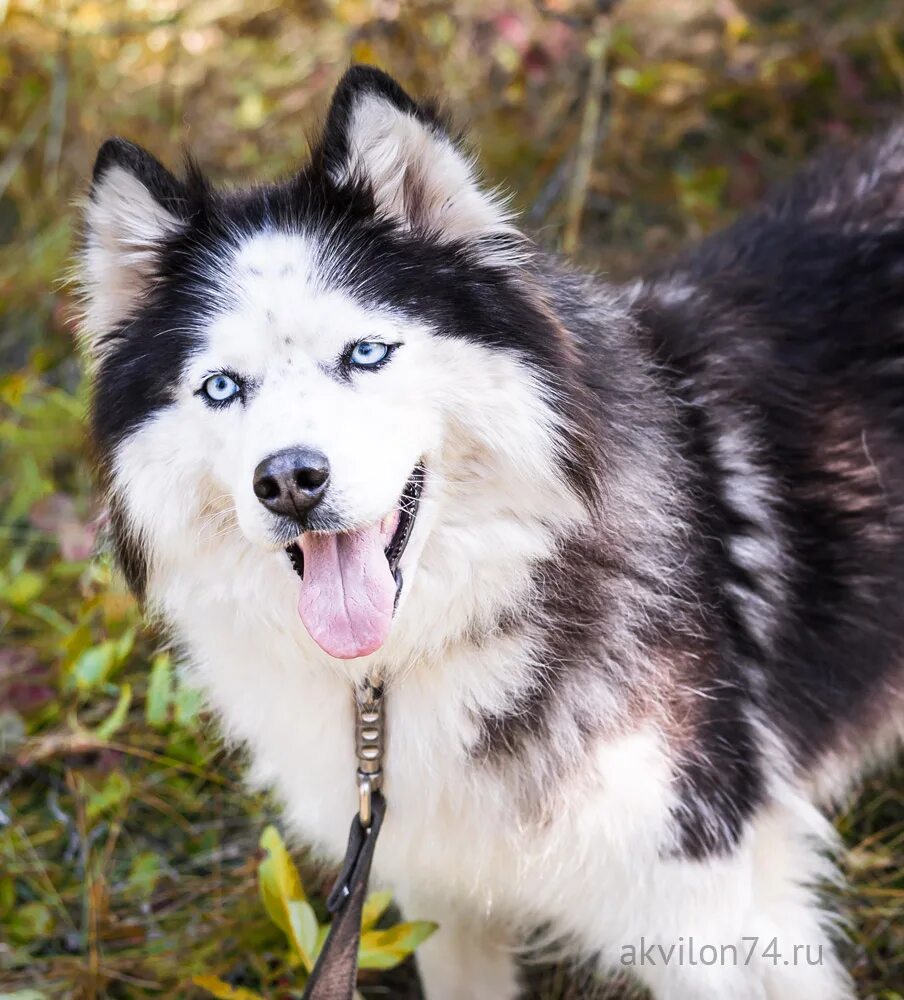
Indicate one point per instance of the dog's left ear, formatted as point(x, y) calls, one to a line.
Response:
point(407, 156)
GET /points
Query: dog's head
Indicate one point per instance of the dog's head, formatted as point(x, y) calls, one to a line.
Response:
point(354, 366)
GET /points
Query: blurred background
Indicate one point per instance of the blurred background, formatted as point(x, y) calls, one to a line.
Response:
point(130, 857)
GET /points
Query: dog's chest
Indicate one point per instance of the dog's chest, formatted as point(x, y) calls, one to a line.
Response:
point(462, 826)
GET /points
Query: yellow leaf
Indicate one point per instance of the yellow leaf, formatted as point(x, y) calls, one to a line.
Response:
point(374, 908)
point(23, 589)
point(89, 16)
point(252, 110)
point(280, 886)
point(385, 949)
point(13, 388)
point(222, 990)
point(737, 27)
point(364, 52)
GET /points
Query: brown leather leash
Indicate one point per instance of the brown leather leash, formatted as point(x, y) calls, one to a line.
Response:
point(335, 972)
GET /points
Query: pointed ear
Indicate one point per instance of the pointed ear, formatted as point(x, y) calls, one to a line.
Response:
point(135, 203)
point(415, 167)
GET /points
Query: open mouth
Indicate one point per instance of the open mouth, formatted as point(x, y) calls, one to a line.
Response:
point(351, 580)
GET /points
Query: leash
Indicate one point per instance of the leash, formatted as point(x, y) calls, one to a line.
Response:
point(335, 972)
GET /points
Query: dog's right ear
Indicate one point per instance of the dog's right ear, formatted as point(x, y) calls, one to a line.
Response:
point(135, 203)
point(415, 167)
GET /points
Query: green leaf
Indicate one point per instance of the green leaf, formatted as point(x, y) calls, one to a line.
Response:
point(222, 990)
point(144, 873)
point(114, 791)
point(94, 666)
point(386, 949)
point(304, 930)
point(322, 932)
point(24, 995)
point(160, 691)
point(52, 617)
point(124, 645)
point(374, 908)
point(644, 81)
point(7, 894)
point(187, 704)
point(113, 722)
point(23, 588)
point(30, 922)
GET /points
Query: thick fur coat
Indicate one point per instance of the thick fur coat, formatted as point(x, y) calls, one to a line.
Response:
point(650, 618)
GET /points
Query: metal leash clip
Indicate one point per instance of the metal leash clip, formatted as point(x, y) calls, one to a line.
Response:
point(369, 745)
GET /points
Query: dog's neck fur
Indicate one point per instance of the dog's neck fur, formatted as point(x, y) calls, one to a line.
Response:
point(507, 561)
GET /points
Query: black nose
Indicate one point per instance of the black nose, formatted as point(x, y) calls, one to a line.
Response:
point(292, 482)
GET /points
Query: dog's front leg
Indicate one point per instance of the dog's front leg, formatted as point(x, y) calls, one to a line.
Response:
point(467, 956)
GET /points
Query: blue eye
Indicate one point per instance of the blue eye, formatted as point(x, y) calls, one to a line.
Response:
point(220, 388)
point(368, 353)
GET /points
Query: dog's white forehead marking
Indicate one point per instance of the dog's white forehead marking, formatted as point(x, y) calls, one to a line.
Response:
point(282, 312)
point(263, 262)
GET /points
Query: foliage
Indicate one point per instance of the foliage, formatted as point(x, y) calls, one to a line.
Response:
point(287, 906)
point(129, 858)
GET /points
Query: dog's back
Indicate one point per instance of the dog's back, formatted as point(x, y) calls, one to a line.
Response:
point(784, 338)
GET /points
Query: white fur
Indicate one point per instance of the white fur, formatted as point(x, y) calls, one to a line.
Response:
point(454, 846)
point(457, 846)
point(421, 178)
point(124, 224)
point(760, 551)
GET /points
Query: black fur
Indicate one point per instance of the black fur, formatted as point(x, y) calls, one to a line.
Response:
point(412, 272)
point(792, 331)
point(787, 331)
point(332, 152)
point(797, 329)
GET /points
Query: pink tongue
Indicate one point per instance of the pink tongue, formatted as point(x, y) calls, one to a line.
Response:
point(348, 592)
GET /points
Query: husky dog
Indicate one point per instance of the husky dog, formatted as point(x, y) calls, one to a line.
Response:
point(630, 559)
